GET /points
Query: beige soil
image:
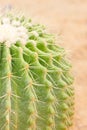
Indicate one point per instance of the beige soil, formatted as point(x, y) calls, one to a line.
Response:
point(69, 19)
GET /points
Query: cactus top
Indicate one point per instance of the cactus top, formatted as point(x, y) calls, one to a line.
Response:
point(12, 31)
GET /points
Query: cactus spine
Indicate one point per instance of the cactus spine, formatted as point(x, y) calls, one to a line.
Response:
point(36, 91)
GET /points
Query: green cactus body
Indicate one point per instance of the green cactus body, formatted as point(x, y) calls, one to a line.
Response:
point(36, 90)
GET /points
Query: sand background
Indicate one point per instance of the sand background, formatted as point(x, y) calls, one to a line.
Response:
point(67, 18)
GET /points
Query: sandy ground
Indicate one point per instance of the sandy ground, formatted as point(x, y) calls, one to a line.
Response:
point(67, 18)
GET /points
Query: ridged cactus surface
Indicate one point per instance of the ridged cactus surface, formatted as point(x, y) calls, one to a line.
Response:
point(36, 91)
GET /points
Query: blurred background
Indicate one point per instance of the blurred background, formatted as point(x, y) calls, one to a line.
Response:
point(68, 19)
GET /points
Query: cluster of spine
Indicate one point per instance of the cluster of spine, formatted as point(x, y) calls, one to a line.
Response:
point(36, 91)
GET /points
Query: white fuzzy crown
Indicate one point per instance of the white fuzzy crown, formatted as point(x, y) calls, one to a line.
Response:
point(12, 31)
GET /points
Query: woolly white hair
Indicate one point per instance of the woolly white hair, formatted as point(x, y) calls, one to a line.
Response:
point(12, 31)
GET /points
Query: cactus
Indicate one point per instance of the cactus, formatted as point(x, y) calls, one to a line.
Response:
point(36, 91)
